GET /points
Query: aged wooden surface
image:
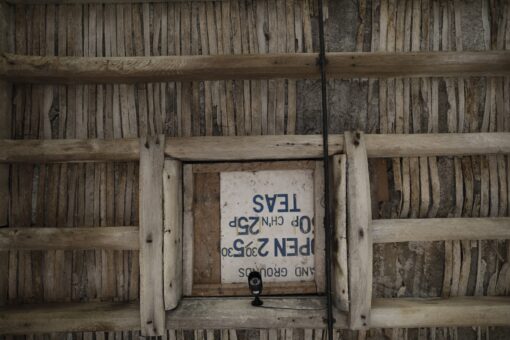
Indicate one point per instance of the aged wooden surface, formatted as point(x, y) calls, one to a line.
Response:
point(5, 119)
point(320, 234)
point(200, 313)
point(105, 2)
point(172, 237)
point(440, 229)
point(226, 313)
point(358, 232)
point(206, 228)
point(187, 229)
point(441, 144)
point(72, 70)
point(69, 317)
point(254, 147)
point(241, 289)
point(456, 311)
point(340, 269)
point(160, 29)
point(68, 150)
point(253, 166)
point(251, 147)
point(5, 132)
point(152, 309)
point(118, 238)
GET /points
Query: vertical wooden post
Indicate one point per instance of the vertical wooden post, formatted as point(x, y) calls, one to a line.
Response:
point(359, 237)
point(320, 249)
point(152, 310)
point(340, 269)
point(172, 242)
point(187, 232)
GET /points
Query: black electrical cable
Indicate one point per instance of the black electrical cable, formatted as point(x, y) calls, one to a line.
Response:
point(325, 155)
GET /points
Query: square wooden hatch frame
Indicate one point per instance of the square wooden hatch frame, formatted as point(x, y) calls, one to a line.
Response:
point(161, 223)
point(201, 229)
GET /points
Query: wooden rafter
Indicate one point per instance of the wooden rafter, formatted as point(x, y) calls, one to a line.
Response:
point(238, 148)
point(221, 313)
point(49, 69)
point(440, 229)
point(118, 238)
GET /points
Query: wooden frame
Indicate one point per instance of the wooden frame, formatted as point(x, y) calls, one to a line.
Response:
point(365, 312)
point(203, 313)
point(199, 170)
point(156, 219)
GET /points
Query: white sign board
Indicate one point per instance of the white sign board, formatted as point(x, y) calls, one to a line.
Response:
point(267, 225)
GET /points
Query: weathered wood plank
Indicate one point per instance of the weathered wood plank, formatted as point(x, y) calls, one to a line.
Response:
point(220, 148)
point(37, 69)
point(253, 166)
point(172, 243)
point(105, 2)
point(118, 238)
point(437, 144)
point(68, 150)
point(152, 310)
point(187, 232)
point(5, 132)
point(72, 317)
point(241, 289)
point(440, 229)
point(5, 119)
point(238, 313)
point(358, 232)
point(206, 228)
point(319, 232)
point(251, 147)
point(340, 269)
point(437, 312)
point(224, 313)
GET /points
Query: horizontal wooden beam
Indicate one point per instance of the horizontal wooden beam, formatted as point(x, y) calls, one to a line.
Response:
point(117, 238)
point(49, 69)
point(69, 317)
point(286, 312)
point(437, 144)
point(68, 150)
point(282, 312)
point(238, 148)
point(440, 229)
point(242, 289)
point(251, 147)
point(192, 313)
point(105, 2)
point(437, 312)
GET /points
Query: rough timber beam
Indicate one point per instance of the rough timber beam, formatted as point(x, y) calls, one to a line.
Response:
point(118, 238)
point(37, 69)
point(238, 148)
point(440, 229)
point(221, 313)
